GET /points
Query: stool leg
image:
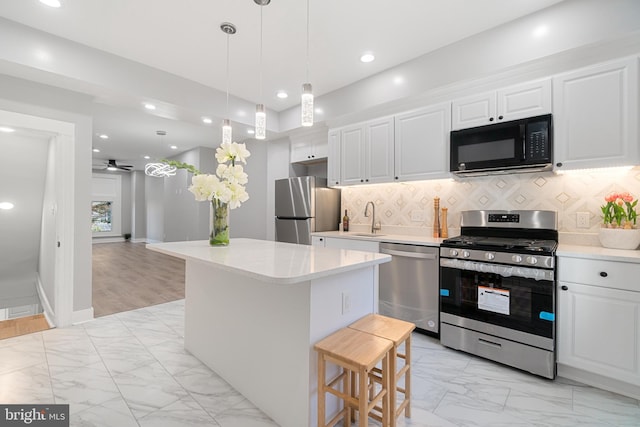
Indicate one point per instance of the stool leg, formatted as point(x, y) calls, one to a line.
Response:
point(407, 377)
point(346, 384)
point(393, 383)
point(321, 390)
point(363, 400)
point(386, 383)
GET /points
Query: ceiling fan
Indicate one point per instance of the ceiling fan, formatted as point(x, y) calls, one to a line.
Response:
point(112, 165)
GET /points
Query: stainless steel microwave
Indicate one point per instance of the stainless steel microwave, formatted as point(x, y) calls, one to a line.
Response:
point(523, 145)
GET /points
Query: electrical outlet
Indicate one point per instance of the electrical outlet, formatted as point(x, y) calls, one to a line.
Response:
point(418, 215)
point(346, 302)
point(582, 219)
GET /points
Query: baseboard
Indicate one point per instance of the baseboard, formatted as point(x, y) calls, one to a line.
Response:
point(139, 240)
point(599, 381)
point(153, 241)
point(107, 240)
point(82, 316)
point(46, 307)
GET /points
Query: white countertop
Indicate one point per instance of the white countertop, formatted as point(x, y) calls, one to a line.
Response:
point(564, 250)
point(383, 237)
point(273, 262)
point(598, 252)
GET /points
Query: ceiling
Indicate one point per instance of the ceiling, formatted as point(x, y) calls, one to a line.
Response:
point(184, 39)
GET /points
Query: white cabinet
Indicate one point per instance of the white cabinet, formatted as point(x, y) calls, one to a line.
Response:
point(515, 102)
point(366, 152)
point(318, 241)
point(309, 146)
point(422, 143)
point(354, 244)
point(333, 160)
point(596, 116)
point(599, 323)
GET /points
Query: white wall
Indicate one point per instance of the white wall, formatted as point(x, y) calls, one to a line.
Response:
point(138, 207)
point(278, 168)
point(47, 255)
point(154, 206)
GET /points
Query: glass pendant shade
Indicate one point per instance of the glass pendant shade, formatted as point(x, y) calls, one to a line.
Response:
point(307, 105)
point(261, 122)
point(226, 131)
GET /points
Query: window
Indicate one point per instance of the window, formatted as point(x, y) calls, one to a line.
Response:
point(101, 216)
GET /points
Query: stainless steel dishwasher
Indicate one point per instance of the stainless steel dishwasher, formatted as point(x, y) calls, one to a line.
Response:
point(409, 285)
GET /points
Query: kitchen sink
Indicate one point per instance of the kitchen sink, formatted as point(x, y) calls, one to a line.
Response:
point(368, 234)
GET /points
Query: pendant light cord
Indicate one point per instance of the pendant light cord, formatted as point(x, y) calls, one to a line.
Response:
point(227, 75)
point(307, 42)
point(261, 7)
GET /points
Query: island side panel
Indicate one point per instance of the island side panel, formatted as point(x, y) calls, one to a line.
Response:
point(255, 335)
point(330, 312)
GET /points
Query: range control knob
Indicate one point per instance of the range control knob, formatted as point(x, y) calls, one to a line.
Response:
point(532, 260)
point(516, 258)
point(453, 252)
point(489, 256)
point(466, 254)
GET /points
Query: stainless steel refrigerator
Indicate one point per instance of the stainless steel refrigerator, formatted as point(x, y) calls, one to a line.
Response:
point(305, 205)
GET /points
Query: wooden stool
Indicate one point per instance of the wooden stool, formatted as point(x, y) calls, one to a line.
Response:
point(399, 332)
point(357, 353)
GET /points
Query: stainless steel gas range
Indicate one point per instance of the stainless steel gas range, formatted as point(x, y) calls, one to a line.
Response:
point(497, 288)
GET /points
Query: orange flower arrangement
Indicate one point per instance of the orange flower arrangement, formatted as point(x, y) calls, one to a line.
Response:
point(620, 210)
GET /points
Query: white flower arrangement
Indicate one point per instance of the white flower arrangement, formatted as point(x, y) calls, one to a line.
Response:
point(227, 185)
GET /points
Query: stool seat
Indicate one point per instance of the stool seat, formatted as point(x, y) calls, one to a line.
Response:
point(399, 332)
point(350, 346)
point(392, 329)
point(357, 354)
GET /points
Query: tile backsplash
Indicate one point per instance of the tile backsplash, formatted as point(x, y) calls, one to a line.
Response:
point(398, 203)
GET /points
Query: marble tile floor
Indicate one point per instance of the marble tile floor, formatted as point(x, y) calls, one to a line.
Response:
point(130, 369)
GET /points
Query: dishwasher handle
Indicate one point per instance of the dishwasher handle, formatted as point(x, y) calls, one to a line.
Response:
point(408, 254)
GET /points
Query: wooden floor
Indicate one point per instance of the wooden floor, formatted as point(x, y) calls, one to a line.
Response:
point(127, 276)
point(23, 325)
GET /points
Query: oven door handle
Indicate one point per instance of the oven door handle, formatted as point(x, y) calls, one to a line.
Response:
point(502, 270)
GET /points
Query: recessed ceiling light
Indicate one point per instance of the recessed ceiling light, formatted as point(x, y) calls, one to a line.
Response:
point(96, 150)
point(146, 157)
point(149, 106)
point(6, 129)
point(51, 3)
point(319, 111)
point(367, 57)
point(103, 136)
point(173, 147)
point(251, 131)
point(282, 94)
point(540, 31)
point(398, 80)
point(207, 120)
point(6, 205)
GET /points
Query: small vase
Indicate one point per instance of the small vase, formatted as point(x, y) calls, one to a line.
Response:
point(619, 238)
point(219, 218)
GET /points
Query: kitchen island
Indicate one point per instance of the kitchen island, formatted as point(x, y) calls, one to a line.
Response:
point(254, 309)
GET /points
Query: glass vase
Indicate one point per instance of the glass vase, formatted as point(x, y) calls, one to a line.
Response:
point(219, 218)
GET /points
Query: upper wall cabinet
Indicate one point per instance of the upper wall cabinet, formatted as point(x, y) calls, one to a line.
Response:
point(366, 152)
point(333, 161)
point(309, 146)
point(596, 116)
point(515, 102)
point(422, 143)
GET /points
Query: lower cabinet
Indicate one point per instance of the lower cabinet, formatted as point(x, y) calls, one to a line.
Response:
point(356, 245)
point(598, 329)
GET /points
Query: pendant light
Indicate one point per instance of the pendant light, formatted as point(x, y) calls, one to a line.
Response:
point(261, 116)
point(306, 102)
point(229, 29)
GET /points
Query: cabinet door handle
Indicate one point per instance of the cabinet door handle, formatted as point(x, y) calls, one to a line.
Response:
point(603, 274)
point(500, 117)
point(490, 119)
point(559, 164)
point(564, 287)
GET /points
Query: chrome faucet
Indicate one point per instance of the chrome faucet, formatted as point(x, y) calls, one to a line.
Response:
point(374, 226)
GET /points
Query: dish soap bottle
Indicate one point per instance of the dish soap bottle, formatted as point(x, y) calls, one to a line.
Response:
point(345, 221)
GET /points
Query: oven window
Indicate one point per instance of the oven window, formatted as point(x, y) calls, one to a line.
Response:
point(511, 302)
